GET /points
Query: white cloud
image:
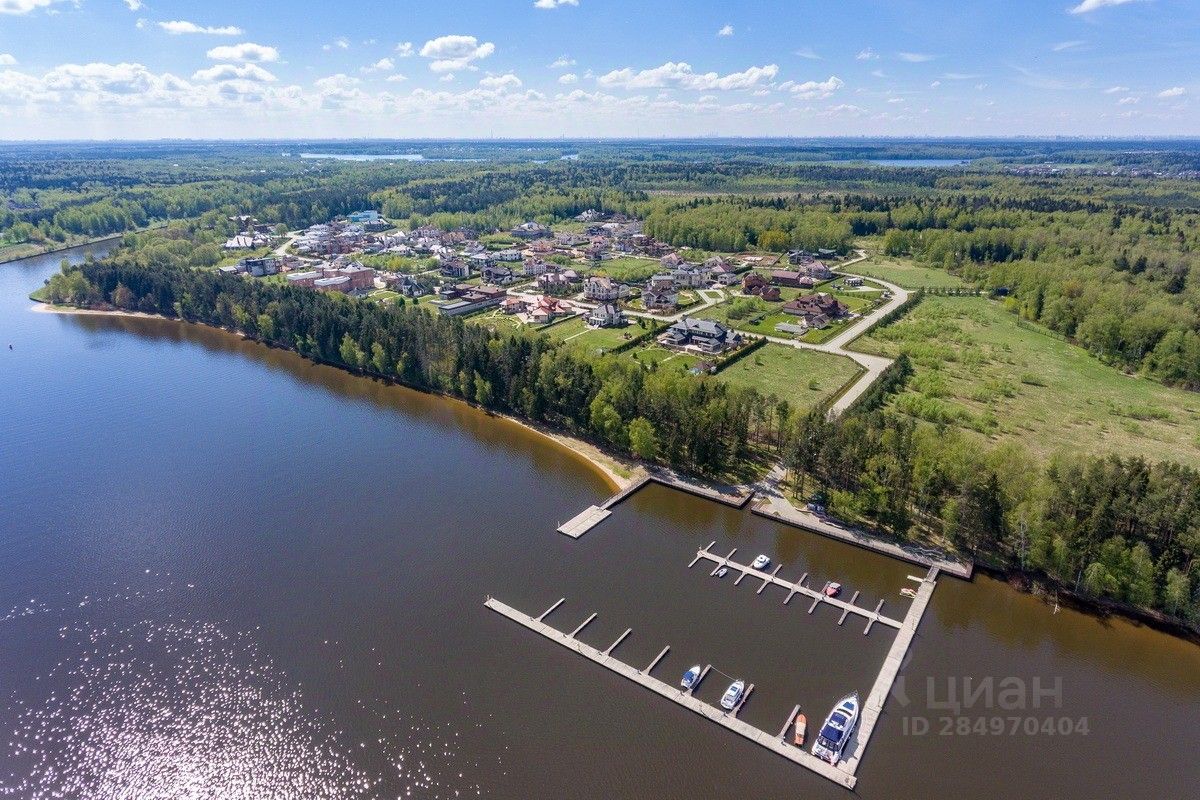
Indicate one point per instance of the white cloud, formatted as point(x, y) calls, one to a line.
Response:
point(866, 54)
point(382, 65)
point(562, 62)
point(134, 5)
point(1088, 6)
point(1174, 91)
point(554, 3)
point(455, 52)
point(681, 75)
point(245, 52)
point(1071, 45)
point(18, 7)
point(7, 59)
point(959, 76)
point(935, 84)
point(1116, 89)
point(915, 58)
point(501, 83)
point(1128, 101)
point(807, 52)
point(813, 90)
point(405, 49)
point(449, 76)
point(179, 27)
point(396, 78)
point(726, 30)
point(568, 78)
point(230, 72)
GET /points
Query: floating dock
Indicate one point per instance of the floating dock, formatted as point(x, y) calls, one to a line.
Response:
point(592, 516)
point(818, 597)
point(584, 521)
point(838, 774)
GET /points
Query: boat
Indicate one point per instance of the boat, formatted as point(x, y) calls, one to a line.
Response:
point(722, 572)
point(733, 694)
point(801, 730)
point(833, 589)
point(907, 592)
point(691, 677)
point(835, 732)
point(761, 562)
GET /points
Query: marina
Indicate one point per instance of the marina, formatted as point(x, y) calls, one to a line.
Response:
point(685, 698)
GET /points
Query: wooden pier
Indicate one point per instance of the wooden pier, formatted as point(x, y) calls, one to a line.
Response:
point(818, 597)
point(728, 720)
point(584, 521)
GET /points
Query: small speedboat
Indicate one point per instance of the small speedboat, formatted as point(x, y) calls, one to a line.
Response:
point(761, 562)
point(690, 677)
point(732, 695)
point(833, 589)
point(907, 592)
point(722, 572)
point(835, 733)
point(801, 730)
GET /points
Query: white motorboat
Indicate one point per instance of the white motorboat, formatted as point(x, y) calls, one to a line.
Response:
point(690, 677)
point(761, 562)
point(722, 572)
point(837, 729)
point(733, 694)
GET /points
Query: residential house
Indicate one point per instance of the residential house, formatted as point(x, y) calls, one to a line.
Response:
point(242, 241)
point(606, 315)
point(455, 268)
point(689, 276)
point(495, 273)
point(591, 215)
point(471, 299)
point(556, 282)
point(705, 335)
point(532, 267)
point(671, 261)
point(817, 310)
point(514, 305)
point(364, 217)
point(530, 230)
point(546, 309)
point(508, 255)
point(303, 279)
point(660, 293)
point(337, 283)
point(258, 267)
point(604, 289)
point(786, 277)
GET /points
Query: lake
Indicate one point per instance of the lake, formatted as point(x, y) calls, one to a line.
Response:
point(229, 572)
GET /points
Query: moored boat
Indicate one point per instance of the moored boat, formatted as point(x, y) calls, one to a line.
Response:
point(835, 732)
point(801, 730)
point(833, 589)
point(690, 677)
point(722, 572)
point(761, 561)
point(733, 694)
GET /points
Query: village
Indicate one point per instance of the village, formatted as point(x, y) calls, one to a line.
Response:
point(598, 282)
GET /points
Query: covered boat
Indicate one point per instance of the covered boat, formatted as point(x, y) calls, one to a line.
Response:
point(801, 730)
point(733, 694)
point(761, 561)
point(690, 677)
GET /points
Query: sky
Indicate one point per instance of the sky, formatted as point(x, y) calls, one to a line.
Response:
point(148, 69)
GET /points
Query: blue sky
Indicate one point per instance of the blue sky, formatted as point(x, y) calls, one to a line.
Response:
point(548, 68)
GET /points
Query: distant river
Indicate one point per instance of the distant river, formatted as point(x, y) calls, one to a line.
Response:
point(228, 572)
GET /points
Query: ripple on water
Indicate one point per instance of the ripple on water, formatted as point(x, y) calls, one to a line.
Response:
point(187, 709)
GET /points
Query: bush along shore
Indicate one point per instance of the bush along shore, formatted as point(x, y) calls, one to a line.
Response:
point(1123, 532)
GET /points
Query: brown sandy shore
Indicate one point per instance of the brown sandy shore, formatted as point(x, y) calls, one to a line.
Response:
point(618, 472)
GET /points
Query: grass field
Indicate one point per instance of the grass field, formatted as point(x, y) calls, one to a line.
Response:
point(804, 378)
point(905, 273)
point(576, 333)
point(980, 368)
point(666, 359)
point(628, 269)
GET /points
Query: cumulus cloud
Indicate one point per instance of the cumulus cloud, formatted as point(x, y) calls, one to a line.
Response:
point(7, 59)
point(396, 78)
point(382, 65)
point(179, 27)
point(455, 52)
point(18, 7)
point(1174, 91)
point(1088, 6)
point(562, 62)
point(672, 74)
point(244, 52)
point(229, 72)
point(134, 5)
point(914, 58)
point(501, 83)
point(726, 30)
point(813, 90)
point(405, 49)
point(554, 3)
point(568, 78)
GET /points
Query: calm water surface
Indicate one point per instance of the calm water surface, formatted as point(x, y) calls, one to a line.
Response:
point(228, 572)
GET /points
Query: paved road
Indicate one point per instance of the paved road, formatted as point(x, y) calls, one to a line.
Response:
point(872, 365)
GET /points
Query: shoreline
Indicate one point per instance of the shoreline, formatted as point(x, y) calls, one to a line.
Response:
point(619, 473)
point(58, 248)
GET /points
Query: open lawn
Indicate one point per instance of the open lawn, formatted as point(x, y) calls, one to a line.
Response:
point(981, 368)
point(576, 333)
point(666, 359)
point(804, 378)
point(905, 273)
point(627, 269)
point(763, 322)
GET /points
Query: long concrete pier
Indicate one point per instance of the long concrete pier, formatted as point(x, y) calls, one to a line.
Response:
point(873, 707)
point(818, 597)
point(838, 774)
